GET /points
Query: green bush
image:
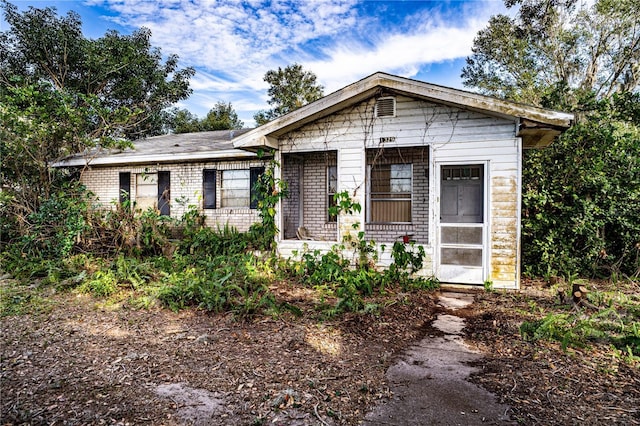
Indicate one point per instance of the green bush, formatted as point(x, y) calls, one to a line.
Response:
point(218, 284)
point(581, 195)
point(57, 226)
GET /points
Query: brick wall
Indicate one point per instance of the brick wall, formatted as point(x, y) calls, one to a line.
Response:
point(312, 167)
point(418, 229)
point(186, 189)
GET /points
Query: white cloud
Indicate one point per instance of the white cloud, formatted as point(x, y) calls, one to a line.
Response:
point(232, 44)
point(432, 40)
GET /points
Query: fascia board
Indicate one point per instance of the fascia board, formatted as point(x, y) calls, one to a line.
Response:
point(366, 87)
point(155, 158)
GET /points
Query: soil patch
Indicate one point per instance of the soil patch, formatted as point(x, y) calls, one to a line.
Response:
point(84, 362)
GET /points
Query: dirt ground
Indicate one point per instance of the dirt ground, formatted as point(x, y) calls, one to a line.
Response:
point(87, 362)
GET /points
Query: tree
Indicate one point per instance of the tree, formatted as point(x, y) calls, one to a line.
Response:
point(180, 120)
point(123, 71)
point(554, 49)
point(221, 117)
point(581, 195)
point(39, 126)
point(60, 94)
point(290, 89)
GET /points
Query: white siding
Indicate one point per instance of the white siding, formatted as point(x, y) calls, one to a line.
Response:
point(454, 136)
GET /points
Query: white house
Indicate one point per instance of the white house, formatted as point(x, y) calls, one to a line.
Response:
point(439, 166)
point(436, 165)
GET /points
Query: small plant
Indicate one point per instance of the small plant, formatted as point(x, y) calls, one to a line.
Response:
point(101, 284)
point(344, 203)
point(405, 263)
point(488, 286)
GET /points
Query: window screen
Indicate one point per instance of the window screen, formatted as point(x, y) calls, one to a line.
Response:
point(390, 193)
point(332, 188)
point(235, 188)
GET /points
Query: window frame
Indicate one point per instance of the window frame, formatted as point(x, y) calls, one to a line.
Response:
point(253, 197)
point(371, 195)
point(209, 181)
point(224, 198)
point(331, 202)
point(124, 187)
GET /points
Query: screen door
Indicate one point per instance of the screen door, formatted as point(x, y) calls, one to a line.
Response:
point(462, 224)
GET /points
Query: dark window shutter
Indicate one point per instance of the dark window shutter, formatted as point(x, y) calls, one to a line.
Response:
point(164, 192)
point(125, 187)
point(254, 175)
point(209, 188)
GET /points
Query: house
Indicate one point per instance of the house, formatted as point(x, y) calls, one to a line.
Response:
point(438, 166)
point(172, 172)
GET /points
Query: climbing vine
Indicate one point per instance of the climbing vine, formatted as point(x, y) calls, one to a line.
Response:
point(269, 190)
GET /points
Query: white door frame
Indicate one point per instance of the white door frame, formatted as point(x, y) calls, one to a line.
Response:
point(463, 274)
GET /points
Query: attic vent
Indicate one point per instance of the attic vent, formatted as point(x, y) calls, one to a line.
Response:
point(386, 107)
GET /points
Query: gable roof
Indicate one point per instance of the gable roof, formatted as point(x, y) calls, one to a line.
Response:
point(172, 148)
point(537, 126)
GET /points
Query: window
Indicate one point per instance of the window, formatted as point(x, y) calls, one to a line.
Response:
point(254, 175)
point(332, 188)
point(146, 190)
point(390, 193)
point(164, 192)
point(462, 194)
point(209, 188)
point(153, 190)
point(238, 187)
point(235, 188)
point(125, 187)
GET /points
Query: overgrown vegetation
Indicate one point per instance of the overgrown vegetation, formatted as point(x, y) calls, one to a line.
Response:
point(585, 221)
point(613, 320)
point(581, 195)
point(136, 259)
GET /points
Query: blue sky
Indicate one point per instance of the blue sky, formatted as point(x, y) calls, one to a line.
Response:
point(232, 44)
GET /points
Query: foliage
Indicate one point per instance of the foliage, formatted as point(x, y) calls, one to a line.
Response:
point(616, 325)
point(217, 283)
point(180, 120)
point(224, 240)
point(269, 190)
point(40, 126)
point(344, 204)
point(405, 264)
point(581, 196)
point(333, 274)
point(221, 117)
point(55, 228)
point(550, 44)
point(122, 71)
point(290, 88)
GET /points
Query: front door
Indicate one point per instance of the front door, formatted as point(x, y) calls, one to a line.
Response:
point(461, 228)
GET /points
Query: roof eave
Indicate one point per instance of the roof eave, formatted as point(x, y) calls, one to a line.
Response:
point(368, 86)
point(120, 159)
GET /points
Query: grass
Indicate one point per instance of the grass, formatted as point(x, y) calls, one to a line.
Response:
point(19, 299)
point(614, 322)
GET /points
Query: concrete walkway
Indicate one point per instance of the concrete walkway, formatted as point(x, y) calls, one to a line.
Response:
point(429, 380)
